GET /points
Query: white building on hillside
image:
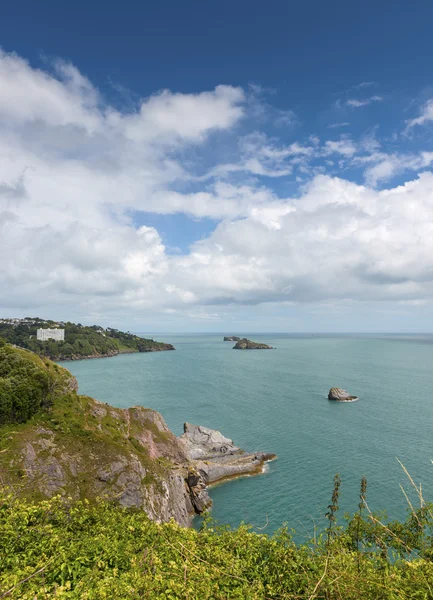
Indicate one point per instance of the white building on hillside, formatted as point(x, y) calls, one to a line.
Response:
point(51, 334)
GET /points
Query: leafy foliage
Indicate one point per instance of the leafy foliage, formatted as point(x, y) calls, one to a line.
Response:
point(28, 384)
point(80, 341)
point(56, 549)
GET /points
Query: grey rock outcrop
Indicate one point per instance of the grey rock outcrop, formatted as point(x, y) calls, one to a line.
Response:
point(216, 457)
point(231, 338)
point(340, 395)
point(200, 442)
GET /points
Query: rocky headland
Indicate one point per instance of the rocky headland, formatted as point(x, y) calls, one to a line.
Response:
point(245, 344)
point(215, 458)
point(340, 395)
point(81, 448)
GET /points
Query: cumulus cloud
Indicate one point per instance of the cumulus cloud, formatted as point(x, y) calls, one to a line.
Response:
point(74, 171)
point(339, 240)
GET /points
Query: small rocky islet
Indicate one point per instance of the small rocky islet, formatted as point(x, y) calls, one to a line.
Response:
point(231, 338)
point(340, 395)
point(245, 344)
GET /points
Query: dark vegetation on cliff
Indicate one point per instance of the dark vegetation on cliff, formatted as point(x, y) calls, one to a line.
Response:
point(28, 384)
point(80, 341)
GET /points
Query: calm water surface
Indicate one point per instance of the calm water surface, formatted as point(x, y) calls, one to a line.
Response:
point(276, 401)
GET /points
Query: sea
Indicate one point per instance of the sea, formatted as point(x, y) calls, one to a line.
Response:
point(276, 401)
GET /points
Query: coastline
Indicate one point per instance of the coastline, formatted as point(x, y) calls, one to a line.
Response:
point(109, 355)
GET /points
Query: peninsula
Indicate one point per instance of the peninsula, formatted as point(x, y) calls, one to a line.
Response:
point(77, 341)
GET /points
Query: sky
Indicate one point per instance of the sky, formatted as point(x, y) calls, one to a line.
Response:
point(218, 166)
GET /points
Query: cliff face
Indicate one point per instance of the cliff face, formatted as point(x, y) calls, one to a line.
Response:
point(83, 449)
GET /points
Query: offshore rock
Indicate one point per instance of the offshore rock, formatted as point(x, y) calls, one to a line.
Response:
point(245, 344)
point(231, 338)
point(340, 395)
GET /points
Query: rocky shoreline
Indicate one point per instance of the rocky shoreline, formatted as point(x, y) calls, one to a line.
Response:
point(216, 459)
point(111, 354)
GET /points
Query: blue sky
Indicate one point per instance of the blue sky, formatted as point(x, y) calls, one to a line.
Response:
point(215, 166)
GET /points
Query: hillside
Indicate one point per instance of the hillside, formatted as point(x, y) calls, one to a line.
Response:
point(53, 440)
point(80, 341)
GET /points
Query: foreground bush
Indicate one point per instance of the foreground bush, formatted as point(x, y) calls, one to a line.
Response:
point(81, 551)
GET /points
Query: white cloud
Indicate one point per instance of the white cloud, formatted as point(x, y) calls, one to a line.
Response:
point(357, 103)
point(170, 117)
point(387, 166)
point(363, 84)
point(339, 240)
point(337, 125)
point(260, 155)
point(74, 171)
point(344, 146)
point(425, 117)
point(32, 95)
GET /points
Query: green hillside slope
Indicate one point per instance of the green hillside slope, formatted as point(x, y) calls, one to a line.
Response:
point(80, 341)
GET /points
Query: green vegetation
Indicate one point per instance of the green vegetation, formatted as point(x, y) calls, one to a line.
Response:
point(59, 549)
point(28, 384)
point(80, 341)
point(53, 440)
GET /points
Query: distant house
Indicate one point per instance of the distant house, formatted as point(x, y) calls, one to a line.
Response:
point(50, 334)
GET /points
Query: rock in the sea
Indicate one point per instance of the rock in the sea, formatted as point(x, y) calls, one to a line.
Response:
point(245, 344)
point(231, 338)
point(340, 395)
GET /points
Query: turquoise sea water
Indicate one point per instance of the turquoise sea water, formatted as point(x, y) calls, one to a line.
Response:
point(276, 401)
